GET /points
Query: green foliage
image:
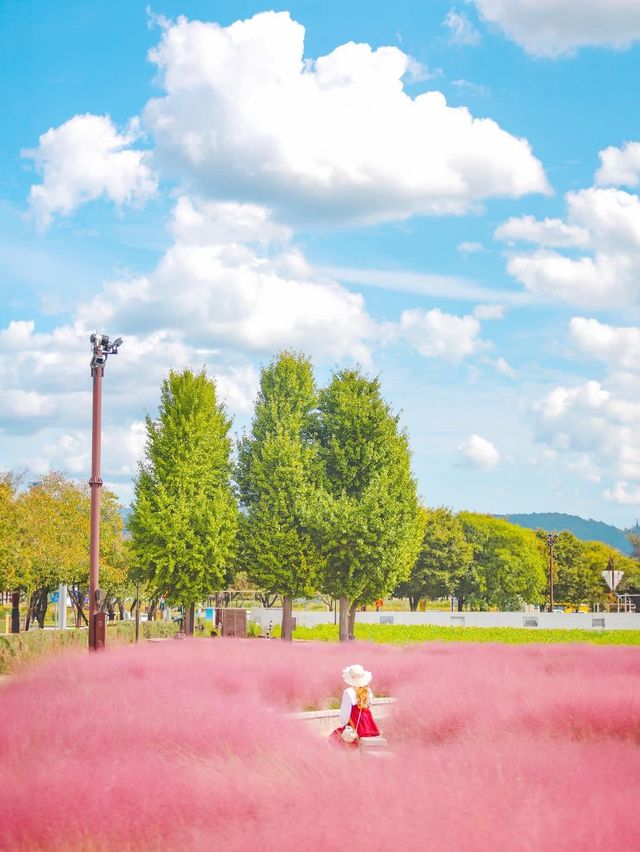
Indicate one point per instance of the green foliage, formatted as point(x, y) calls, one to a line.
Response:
point(445, 563)
point(509, 561)
point(585, 530)
point(276, 474)
point(20, 649)
point(401, 634)
point(14, 560)
point(366, 516)
point(184, 518)
point(253, 629)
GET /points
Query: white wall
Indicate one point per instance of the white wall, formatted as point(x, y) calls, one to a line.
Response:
point(553, 620)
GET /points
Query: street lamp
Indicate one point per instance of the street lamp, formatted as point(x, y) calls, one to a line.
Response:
point(551, 540)
point(101, 347)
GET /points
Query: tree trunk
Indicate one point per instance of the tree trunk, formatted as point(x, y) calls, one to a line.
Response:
point(414, 600)
point(352, 620)
point(120, 605)
point(38, 603)
point(344, 619)
point(42, 603)
point(287, 615)
point(76, 597)
point(153, 605)
point(189, 619)
point(460, 604)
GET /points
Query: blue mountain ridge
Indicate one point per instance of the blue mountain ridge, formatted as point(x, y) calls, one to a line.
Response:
point(586, 530)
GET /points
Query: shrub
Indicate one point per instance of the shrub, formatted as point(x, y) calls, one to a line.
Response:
point(19, 649)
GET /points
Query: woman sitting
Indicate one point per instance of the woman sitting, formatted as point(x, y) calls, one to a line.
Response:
point(355, 711)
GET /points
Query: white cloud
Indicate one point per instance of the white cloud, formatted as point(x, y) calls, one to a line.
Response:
point(462, 30)
point(553, 233)
point(436, 334)
point(554, 28)
point(604, 221)
point(231, 285)
point(489, 312)
point(623, 493)
point(617, 346)
point(246, 116)
point(504, 368)
point(620, 166)
point(470, 247)
point(480, 453)
point(217, 292)
point(84, 159)
point(594, 430)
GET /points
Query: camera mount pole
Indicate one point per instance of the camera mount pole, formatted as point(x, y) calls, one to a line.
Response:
point(95, 484)
point(101, 348)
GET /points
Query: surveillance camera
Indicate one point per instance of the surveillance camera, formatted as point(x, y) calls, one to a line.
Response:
point(117, 343)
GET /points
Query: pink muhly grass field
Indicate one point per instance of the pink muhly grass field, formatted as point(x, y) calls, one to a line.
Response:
point(189, 745)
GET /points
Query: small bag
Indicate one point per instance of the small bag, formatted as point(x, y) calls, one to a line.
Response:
point(350, 734)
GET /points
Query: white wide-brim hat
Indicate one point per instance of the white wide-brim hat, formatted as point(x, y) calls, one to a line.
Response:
point(356, 676)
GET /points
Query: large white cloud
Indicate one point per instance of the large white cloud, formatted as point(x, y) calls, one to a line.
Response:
point(231, 286)
point(603, 225)
point(217, 287)
point(555, 27)
point(246, 116)
point(84, 159)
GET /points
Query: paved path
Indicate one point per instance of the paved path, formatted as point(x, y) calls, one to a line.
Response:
point(322, 722)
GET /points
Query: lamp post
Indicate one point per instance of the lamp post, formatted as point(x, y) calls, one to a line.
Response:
point(101, 348)
point(551, 540)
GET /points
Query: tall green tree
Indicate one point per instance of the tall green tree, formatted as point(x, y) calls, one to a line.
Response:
point(184, 517)
point(445, 562)
point(366, 513)
point(509, 560)
point(276, 473)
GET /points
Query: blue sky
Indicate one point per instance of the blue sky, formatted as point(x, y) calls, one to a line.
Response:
point(444, 194)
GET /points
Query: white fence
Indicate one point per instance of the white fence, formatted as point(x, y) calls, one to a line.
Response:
point(553, 620)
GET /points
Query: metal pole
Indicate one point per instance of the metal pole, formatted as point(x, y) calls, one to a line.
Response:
point(551, 540)
point(95, 483)
point(62, 606)
point(137, 612)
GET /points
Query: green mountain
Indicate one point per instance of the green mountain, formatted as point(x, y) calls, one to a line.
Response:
point(587, 530)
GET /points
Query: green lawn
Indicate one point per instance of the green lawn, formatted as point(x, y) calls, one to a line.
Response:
point(401, 634)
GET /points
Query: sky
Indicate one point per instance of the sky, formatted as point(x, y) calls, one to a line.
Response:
point(443, 195)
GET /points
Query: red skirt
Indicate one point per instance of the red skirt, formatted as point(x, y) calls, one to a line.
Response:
point(362, 721)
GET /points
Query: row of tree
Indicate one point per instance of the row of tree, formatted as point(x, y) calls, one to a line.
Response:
point(325, 497)
point(486, 562)
point(321, 499)
point(44, 541)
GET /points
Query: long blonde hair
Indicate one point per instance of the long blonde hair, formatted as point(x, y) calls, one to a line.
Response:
point(362, 695)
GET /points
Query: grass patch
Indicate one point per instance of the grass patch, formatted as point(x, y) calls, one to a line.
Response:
point(401, 634)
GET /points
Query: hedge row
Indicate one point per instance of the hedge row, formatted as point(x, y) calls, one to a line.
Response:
point(399, 634)
point(17, 649)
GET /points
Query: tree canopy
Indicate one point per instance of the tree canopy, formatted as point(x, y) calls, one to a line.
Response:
point(366, 511)
point(276, 473)
point(184, 516)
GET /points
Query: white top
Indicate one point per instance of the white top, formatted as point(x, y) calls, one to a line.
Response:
point(349, 698)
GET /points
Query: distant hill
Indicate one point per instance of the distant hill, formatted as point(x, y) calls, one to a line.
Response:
point(587, 530)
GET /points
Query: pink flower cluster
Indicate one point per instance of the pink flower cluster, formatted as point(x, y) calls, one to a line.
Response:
point(189, 745)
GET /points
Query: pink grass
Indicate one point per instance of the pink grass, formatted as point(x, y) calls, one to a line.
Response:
point(188, 745)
